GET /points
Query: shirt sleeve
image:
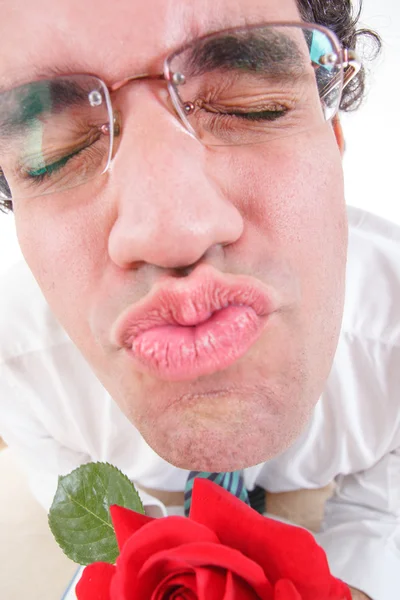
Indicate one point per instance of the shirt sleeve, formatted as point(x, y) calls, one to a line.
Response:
point(41, 457)
point(39, 403)
point(361, 529)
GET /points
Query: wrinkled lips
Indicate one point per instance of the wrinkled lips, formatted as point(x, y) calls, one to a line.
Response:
point(194, 327)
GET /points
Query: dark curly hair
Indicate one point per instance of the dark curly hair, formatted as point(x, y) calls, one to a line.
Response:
point(341, 18)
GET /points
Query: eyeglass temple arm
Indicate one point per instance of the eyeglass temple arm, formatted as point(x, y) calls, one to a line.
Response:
point(351, 64)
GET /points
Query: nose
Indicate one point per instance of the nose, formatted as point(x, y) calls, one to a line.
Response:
point(169, 212)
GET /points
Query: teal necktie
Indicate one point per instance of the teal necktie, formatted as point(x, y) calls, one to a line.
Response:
point(233, 482)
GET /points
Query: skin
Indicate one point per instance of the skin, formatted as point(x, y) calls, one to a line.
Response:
point(276, 212)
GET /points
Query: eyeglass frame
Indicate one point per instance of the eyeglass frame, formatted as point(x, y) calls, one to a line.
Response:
point(349, 61)
point(347, 58)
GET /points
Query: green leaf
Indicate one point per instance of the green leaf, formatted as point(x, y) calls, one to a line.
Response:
point(79, 517)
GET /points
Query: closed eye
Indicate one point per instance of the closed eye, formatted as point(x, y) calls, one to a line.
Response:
point(262, 115)
point(48, 170)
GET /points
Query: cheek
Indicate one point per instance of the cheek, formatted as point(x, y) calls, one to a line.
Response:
point(64, 248)
point(292, 200)
point(290, 194)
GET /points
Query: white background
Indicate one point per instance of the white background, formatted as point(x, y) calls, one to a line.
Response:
point(372, 159)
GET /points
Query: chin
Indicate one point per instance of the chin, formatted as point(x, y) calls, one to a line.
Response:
point(247, 434)
point(230, 420)
point(212, 451)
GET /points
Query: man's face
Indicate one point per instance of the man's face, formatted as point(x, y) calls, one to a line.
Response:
point(219, 365)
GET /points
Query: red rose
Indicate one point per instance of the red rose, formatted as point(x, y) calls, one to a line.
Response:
point(225, 550)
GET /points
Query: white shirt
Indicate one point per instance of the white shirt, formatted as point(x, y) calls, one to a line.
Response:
point(57, 415)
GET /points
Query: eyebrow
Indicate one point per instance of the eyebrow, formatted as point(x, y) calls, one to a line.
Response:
point(250, 51)
point(260, 50)
point(14, 80)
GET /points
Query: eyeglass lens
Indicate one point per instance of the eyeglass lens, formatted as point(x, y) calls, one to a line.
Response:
point(244, 86)
point(54, 135)
point(252, 85)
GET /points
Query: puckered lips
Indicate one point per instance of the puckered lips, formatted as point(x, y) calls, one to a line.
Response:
point(194, 326)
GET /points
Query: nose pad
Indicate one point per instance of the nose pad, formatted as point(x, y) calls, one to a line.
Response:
point(117, 120)
point(117, 130)
point(105, 129)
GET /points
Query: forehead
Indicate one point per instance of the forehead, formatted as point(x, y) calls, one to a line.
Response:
point(114, 39)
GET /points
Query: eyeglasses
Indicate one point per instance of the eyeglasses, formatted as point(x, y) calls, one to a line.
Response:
point(237, 87)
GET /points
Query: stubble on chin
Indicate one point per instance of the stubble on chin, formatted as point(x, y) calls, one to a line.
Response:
point(227, 431)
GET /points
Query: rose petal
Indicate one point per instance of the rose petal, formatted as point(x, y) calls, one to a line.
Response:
point(284, 551)
point(95, 582)
point(126, 522)
point(184, 584)
point(202, 555)
point(237, 589)
point(285, 590)
point(210, 583)
point(158, 535)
